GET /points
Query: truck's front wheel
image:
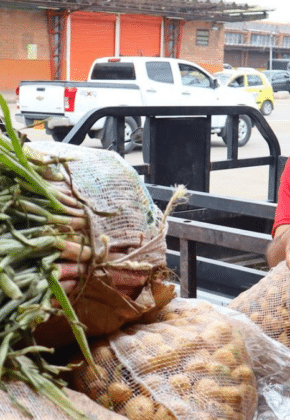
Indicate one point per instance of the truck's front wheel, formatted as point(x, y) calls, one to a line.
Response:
point(244, 130)
point(130, 127)
point(58, 134)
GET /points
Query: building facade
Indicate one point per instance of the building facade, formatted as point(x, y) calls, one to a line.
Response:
point(252, 44)
point(42, 43)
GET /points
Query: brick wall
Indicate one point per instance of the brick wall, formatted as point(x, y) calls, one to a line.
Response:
point(211, 56)
point(24, 52)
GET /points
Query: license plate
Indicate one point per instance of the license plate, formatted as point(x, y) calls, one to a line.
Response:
point(39, 125)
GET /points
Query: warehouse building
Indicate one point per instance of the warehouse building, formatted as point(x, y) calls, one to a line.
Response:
point(253, 44)
point(59, 39)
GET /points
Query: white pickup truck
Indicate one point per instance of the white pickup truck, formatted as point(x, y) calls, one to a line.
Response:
point(127, 81)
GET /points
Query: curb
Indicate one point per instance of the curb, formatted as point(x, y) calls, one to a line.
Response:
point(281, 95)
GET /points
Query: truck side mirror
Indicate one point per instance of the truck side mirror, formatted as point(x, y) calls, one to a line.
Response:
point(215, 83)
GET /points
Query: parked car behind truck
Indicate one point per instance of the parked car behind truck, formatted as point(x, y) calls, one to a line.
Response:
point(252, 81)
point(279, 79)
point(128, 81)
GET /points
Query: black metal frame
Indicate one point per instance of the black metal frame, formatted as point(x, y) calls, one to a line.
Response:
point(220, 277)
point(119, 113)
point(195, 271)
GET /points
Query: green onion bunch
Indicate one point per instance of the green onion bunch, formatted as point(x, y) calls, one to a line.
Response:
point(43, 235)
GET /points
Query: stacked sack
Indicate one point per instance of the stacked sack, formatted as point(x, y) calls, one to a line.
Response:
point(267, 303)
point(190, 364)
point(126, 275)
point(82, 252)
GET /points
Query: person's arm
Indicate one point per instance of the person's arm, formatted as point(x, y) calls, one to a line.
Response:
point(279, 248)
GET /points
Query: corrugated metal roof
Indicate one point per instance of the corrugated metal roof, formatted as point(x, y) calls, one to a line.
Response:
point(207, 10)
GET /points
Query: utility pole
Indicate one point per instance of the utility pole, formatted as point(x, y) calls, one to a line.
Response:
point(271, 54)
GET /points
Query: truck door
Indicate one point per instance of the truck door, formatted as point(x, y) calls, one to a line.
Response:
point(197, 89)
point(255, 87)
point(159, 88)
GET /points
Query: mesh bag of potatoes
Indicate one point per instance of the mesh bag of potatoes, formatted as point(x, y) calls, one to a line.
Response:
point(190, 364)
point(126, 273)
point(267, 303)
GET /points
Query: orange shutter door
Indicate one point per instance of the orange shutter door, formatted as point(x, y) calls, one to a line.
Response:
point(140, 35)
point(92, 36)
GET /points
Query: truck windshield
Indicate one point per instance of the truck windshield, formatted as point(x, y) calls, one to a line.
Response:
point(113, 71)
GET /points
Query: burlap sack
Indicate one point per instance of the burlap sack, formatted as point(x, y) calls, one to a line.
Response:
point(43, 409)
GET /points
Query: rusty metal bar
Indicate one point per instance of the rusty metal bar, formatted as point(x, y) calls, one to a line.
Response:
point(188, 277)
point(239, 239)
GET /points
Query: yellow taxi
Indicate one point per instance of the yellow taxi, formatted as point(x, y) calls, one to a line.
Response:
point(252, 81)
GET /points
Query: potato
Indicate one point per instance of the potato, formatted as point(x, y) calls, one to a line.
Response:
point(119, 392)
point(273, 293)
point(163, 413)
point(284, 339)
point(183, 344)
point(180, 408)
point(179, 322)
point(85, 379)
point(285, 314)
point(94, 388)
point(226, 357)
point(203, 354)
point(135, 345)
point(285, 327)
point(232, 395)
point(102, 354)
point(243, 373)
point(204, 307)
point(250, 396)
point(140, 408)
point(165, 356)
point(195, 365)
point(188, 313)
point(218, 369)
point(86, 375)
point(154, 381)
point(222, 410)
point(211, 340)
point(104, 400)
point(257, 317)
point(151, 339)
point(170, 315)
point(201, 319)
point(270, 323)
point(180, 382)
point(207, 388)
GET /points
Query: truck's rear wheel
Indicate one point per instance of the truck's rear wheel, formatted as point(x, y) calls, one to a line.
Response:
point(58, 134)
point(130, 126)
point(245, 130)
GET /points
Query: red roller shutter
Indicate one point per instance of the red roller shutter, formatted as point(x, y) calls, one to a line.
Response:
point(92, 36)
point(140, 35)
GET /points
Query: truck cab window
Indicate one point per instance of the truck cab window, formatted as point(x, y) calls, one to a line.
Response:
point(159, 71)
point(238, 82)
point(190, 76)
point(113, 71)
